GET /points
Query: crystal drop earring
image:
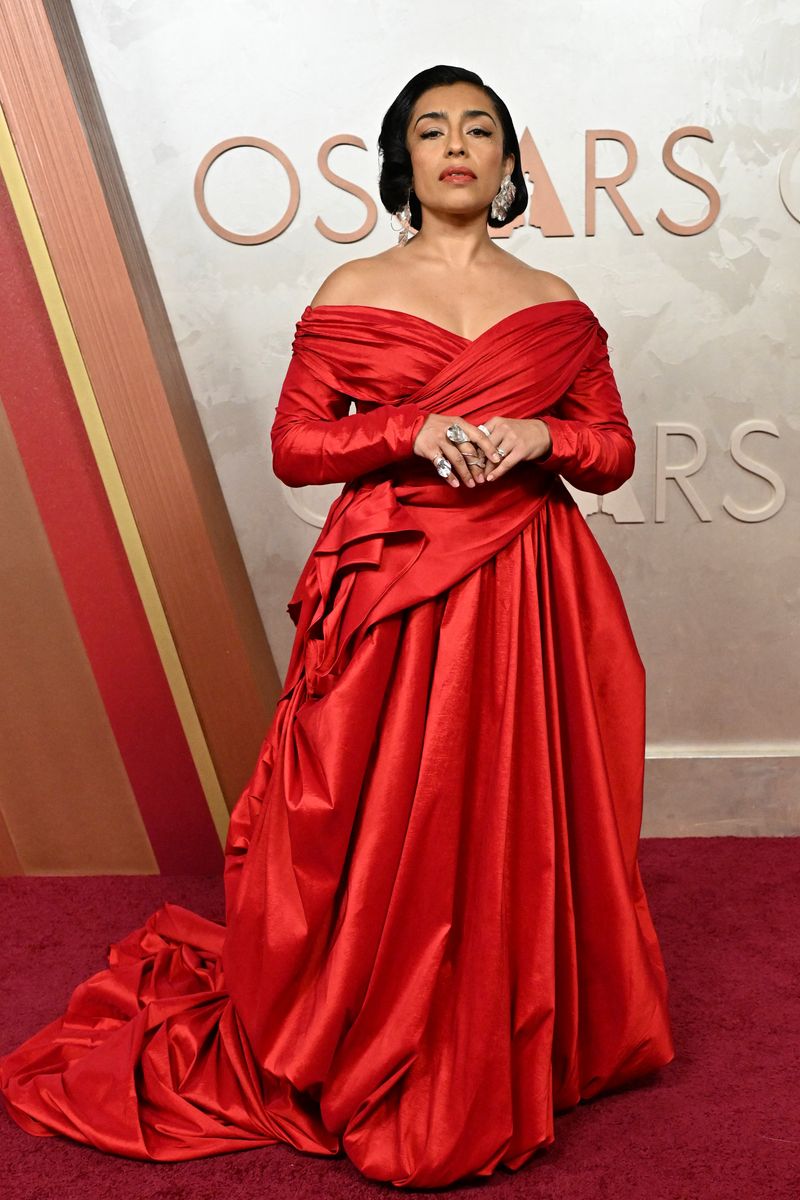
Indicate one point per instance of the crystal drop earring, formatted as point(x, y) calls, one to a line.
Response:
point(504, 198)
point(404, 214)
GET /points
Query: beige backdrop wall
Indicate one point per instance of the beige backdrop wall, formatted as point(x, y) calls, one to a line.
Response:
point(703, 329)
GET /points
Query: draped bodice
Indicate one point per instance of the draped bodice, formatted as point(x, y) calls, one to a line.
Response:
point(400, 534)
point(381, 355)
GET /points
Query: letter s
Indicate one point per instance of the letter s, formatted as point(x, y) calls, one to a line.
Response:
point(756, 468)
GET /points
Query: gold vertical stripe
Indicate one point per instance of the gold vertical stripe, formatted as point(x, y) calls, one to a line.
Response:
point(109, 472)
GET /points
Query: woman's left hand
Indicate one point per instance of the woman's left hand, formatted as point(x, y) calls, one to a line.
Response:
point(519, 439)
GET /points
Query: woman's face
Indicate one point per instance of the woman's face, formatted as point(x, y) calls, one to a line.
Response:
point(455, 127)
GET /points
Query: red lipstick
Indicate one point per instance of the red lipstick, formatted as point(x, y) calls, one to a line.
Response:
point(460, 172)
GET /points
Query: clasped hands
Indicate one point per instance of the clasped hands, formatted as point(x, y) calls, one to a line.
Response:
point(521, 439)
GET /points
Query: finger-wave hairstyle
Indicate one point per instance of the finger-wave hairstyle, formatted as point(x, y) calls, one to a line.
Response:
point(394, 180)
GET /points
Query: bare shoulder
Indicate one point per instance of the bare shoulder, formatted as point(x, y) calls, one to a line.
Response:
point(354, 280)
point(544, 286)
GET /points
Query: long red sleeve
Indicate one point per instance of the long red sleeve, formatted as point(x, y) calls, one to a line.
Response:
point(314, 440)
point(593, 447)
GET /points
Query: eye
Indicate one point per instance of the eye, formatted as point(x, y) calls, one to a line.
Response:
point(430, 133)
point(483, 132)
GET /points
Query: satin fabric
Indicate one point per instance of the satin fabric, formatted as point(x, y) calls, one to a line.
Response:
point(436, 933)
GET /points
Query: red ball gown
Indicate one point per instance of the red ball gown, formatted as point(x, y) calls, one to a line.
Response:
point(436, 933)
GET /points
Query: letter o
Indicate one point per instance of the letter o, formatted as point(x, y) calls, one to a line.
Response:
point(246, 239)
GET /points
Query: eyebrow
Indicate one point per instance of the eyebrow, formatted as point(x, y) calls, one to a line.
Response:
point(468, 112)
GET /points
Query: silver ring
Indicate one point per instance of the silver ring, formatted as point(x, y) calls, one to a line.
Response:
point(502, 453)
point(483, 429)
point(443, 465)
point(456, 434)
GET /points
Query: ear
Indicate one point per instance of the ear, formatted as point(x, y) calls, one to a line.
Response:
point(508, 165)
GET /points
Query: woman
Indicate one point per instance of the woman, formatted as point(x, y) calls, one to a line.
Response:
point(436, 934)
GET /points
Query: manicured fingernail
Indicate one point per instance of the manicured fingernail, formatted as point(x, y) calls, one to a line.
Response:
point(470, 483)
point(496, 457)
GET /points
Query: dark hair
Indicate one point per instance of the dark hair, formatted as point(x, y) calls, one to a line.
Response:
point(394, 180)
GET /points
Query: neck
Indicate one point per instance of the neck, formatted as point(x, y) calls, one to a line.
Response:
point(459, 242)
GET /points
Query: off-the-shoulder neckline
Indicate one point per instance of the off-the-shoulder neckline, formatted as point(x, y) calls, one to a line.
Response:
point(396, 312)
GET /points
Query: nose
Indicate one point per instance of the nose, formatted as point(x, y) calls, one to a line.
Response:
point(456, 145)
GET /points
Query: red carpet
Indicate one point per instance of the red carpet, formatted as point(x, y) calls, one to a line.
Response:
point(722, 1121)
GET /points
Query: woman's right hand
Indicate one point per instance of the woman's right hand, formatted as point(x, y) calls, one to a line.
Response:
point(432, 440)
